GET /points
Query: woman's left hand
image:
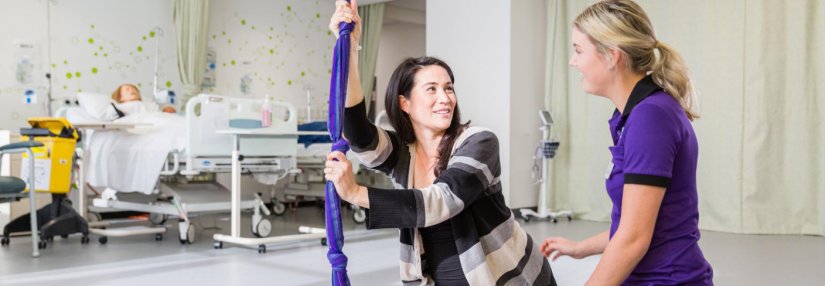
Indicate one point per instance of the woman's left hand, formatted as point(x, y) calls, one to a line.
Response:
point(169, 109)
point(340, 173)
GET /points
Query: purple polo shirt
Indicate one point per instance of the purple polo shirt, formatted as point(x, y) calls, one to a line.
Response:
point(654, 144)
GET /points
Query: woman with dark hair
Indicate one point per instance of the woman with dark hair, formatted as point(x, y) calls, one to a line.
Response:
point(455, 228)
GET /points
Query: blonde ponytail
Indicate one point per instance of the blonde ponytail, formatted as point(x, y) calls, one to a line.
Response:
point(623, 25)
point(671, 73)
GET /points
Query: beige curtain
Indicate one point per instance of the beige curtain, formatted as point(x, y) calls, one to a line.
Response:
point(759, 67)
point(191, 19)
point(372, 19)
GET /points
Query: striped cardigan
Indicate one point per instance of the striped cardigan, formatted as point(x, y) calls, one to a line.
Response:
point(492, 247)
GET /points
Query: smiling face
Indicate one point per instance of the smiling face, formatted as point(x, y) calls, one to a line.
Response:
point(593, 67)
point(432, 100)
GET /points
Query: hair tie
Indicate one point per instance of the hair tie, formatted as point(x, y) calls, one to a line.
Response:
point(657, 44)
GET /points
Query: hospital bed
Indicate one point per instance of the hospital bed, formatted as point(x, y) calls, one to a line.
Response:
point(186, 186)
point(188, 153)
point(309, 181)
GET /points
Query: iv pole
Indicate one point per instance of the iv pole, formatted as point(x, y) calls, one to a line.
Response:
point(48, 102)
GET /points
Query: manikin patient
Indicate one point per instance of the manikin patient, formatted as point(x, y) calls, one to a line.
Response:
point(128, 98)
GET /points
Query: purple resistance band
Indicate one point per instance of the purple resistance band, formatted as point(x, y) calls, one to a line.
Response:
point(337, 98)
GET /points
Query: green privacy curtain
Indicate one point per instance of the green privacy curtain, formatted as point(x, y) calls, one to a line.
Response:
point(191, 19)
point(372, 19)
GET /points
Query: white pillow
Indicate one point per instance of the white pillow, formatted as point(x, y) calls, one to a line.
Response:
point(95, 104)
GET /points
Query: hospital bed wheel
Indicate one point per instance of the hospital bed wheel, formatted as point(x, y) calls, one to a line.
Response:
point(103, 240)
point(190, 235)
point(218, 244)
point(85, 240)
point(50, 239)
point(158, 237)
point(158, 219)
point(261, 248)
point(359, 216)
point(4, 241)
point(64, 236)
point(555, 220)
point(324, 241)
point(569, 218)
point(41, 245)
point(278, 208)
point(526, 218)
point(93, 217)
point(263, 229)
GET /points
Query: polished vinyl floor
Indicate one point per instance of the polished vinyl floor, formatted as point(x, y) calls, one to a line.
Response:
point(373, 257)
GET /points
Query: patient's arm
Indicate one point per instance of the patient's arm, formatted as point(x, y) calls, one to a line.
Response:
point(169, 109)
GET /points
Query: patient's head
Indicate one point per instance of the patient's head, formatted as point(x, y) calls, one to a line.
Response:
point(126, 93)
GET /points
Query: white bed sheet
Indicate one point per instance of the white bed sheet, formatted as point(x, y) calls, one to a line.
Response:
point(131, 161)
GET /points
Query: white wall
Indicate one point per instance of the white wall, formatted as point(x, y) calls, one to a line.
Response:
point(476, 44)
point(282, 46)
point(499, 69)
point(527, 77)
point(106, 42)
point(122, 49)
point(397, 42)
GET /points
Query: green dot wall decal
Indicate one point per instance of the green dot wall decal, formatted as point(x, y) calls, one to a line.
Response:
point(223, 33)
point(79, 90)
point(152, 34)
point(54, 66)
point(94, 70)
point(64, 87)
point(95, 54)
point(303, 74)
point(65, 62)
point(77, 74)
point(271, 29)
point(233, 62)
point(289, 8)
point(69, 75)
point(229, 41)
point(271, 51)
point(91, 41)
point(105, 55)
point(329, 32)
point(168, 84)
point(224, 64)
point(330, 71)
point(253, 27)
point(214, 36)
point(140, 49)
point(138, 84)
point(101, 48)
point(243, 22)
point(93, 26)
point(144, 38)
point(318, 15)
point(289, 82)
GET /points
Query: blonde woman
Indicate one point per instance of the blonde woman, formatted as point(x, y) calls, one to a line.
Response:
point(651, 179)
